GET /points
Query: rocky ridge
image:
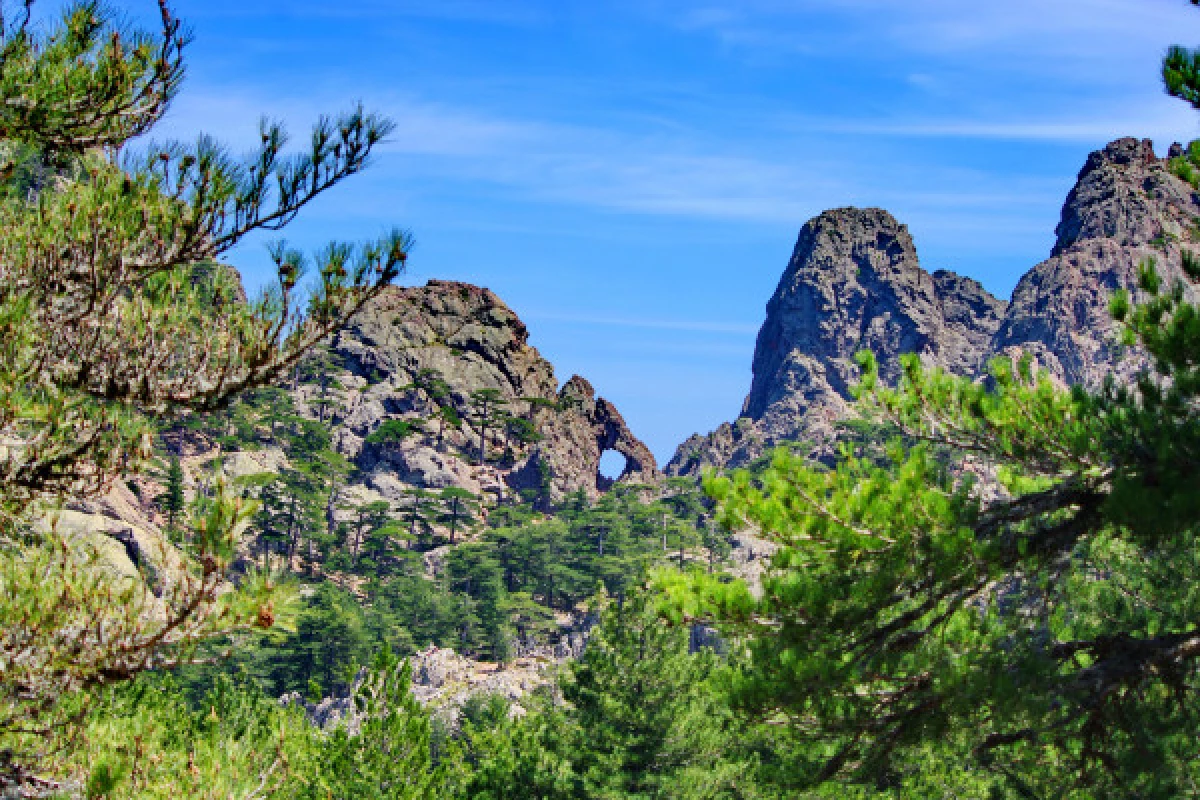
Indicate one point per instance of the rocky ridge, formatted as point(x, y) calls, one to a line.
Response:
point(854, 282)
point(473, 342)
point(369, 376)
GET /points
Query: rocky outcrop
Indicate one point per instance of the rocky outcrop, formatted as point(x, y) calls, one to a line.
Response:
point(582, 428)
point(443, 681)
point(1126, 208)
point(468, 338)
point(854, 283)
point(543, 442)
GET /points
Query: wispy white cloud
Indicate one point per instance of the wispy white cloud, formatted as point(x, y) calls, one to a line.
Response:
point(422, 128)
point(1162, 121)
point(1064, 29)
point(645, 323)
point(688, 174)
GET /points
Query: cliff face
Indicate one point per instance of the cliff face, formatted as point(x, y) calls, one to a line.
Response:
point(473, 342)
point(1125, 208)
point(854, 282)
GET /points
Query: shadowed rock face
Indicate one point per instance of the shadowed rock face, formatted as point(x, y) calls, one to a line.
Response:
point(854, 282)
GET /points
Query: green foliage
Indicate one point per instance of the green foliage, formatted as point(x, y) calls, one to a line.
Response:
point(395, 431)
point(486, 405)
point(112, 311)
point(460, 509)
point(144, 740)
point(328, 646)
point(172, 500)
point(642, 717)
point(72, 625)
point(1185, 167)
point(652, 723)
point(389, 757)
point(1181, 74)
point(1045, 640)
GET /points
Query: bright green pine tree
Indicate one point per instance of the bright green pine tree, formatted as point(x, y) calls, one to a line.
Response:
point(649, 721)
point(642, 718)
point(1044, 642)
point(388, 757)
point(111, 311)
point(925, 641)
point(145, 742)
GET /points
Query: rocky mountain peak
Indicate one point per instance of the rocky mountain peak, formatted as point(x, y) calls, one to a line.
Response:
point(1127, 207)
point(469, 339)
point(854, 282)
point(1122, 193)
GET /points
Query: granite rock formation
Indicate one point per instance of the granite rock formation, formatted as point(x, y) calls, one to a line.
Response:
point(1125, 208)
point(474, 342)
point(854, 282)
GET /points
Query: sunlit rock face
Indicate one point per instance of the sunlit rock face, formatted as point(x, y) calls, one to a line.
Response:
point(474, 342)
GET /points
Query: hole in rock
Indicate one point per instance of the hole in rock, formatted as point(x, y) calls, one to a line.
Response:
point(612, 464)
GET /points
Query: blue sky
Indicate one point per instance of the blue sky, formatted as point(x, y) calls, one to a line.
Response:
point(630, 175)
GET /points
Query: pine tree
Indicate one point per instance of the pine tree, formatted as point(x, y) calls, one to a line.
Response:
point(369, 517)
point(172, 499)
point(1046, 639)
point(112, 309)
point(389, 757)
point(447, 417)
point(640, 719)
point(419, 517)
point(459, 509)
point(485, 403)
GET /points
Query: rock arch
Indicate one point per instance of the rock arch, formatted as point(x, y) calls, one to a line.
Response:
point(613, 434)
point(582, 429)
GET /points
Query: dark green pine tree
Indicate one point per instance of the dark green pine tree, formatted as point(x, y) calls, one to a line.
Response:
point(389, 757)
point(329, 644)
point(419, 516)
point(447, 417)
point(485, 405)
point(368, 518)
point(429, 384)
point(319, 368)
point(172, 499)
point(393, 432)
point(270, 524)
point(645, 716)
point(459, 510)
point(473, 571)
